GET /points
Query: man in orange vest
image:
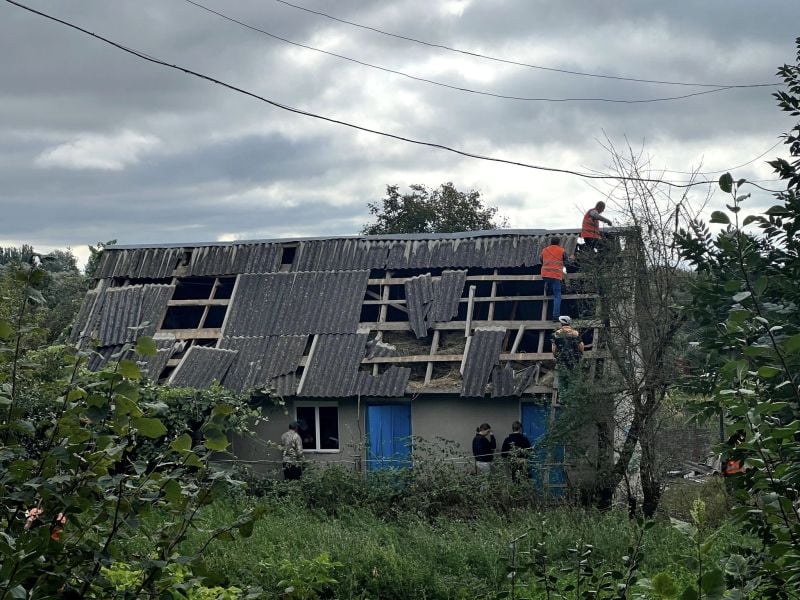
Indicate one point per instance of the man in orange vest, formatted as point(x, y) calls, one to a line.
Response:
point(590, 229)
point(553, 259)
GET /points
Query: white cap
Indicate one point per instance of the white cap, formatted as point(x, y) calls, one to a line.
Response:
point(564, 319)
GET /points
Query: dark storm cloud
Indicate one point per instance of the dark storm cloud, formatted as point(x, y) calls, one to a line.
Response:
point(96, 144)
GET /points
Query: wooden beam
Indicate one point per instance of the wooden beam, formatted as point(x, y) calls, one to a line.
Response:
point(192, 334)
point(500, 277)
point(470, 307)
point(420, 358)
point(221, 302)
point(463, 357)
point(399, 303)
point(492, 296)
point(518, 339)
point(456, 325)
point(305, 371)
point(434, 348)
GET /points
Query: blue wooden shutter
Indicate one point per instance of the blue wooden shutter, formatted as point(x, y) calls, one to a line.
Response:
point(388, 436)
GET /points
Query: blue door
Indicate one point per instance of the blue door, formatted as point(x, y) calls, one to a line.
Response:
point(535, 423)
point(388, 436)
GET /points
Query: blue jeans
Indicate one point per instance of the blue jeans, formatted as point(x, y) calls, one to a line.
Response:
point(555, 289)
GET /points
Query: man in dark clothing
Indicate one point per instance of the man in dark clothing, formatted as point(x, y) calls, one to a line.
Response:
point(483, 447)
point(567, 350)
point(515, 448)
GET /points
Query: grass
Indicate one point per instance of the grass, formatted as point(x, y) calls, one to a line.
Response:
point(412, 557)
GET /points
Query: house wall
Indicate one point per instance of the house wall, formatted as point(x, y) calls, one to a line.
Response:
point(433, 417)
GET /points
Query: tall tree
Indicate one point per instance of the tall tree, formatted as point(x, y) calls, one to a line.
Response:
point(431, 210)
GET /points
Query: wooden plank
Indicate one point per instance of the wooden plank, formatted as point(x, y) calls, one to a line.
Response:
point(518, 339)
point(463, 357)
point(399, 303)
point(434, 347)
point(470, 307)
point(305, 371)
point(192, 334)
point(455, 325)
point(420, 358)
point(215, 302)
point(457, 390)
point(492, 296)
point(500, 277)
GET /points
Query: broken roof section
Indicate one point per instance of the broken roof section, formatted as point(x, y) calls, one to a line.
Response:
point(296, 315)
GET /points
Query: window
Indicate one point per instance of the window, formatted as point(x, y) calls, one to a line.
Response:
point(319, 427)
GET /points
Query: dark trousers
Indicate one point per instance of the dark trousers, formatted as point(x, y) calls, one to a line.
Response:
point(291, 471)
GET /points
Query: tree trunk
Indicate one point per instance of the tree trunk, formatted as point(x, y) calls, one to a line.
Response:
point(650, 471)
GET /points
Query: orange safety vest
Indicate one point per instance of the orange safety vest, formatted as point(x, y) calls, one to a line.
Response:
point(553, 262)
point(590, 228)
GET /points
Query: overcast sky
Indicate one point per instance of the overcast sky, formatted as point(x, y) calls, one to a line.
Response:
point(96, 144)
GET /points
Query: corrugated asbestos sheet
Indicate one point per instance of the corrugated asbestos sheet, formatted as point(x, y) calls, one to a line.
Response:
point(138, 263)
point(502, 382)
point(285, 385)
point(419, 296)
point(151, 366)
point(447, 292)
point(391, 383)
point(482, 356)
point(82, 318)
point(332, 369)
point(376, 348)
point(118, 310)
point(430, 301)
point(260, 359)
point(201, 366)
point(235, 259)
point(296, 303)
point(341, 255)
point(487, 252)
point(523, 379)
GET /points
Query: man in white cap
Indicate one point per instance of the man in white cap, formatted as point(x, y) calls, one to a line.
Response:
point(567, 345)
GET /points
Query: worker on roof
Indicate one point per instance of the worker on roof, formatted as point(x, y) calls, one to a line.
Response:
point(590, 229)
point(567, 348)
point(553, 260)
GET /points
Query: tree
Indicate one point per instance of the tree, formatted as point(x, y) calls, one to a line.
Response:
point(639, 278)
point(745, 297)
point(425, 210)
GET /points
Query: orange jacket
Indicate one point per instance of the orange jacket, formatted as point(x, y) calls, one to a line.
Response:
point(732, 467)
point(553, 262)
point(590, 228)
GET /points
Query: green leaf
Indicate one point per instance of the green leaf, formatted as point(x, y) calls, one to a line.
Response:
point(145, 346)
point(172, 491)
point(792, 344)
point(713, 583)
point(726, 184)
point(221, 409)
point(767, 372)
point(129, 370)
point(720, 217)
point(215, 439)
point(125, 406)
point(761, 285)
point(246, 530)
point(6, 331)
point(749, 219)
point(664, 585)
point(149, 427)
point(18, 593)
point(689, 593)
point(182, 443)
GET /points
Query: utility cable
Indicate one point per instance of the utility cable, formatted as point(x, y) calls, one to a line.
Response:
point(346, 123)
point(447, 85)
point(518, 63)
point(749, 162)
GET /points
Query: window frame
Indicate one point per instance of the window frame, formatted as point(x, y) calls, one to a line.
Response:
point(316, 406)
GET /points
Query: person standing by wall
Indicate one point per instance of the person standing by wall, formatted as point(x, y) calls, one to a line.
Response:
point(567, 348)
point(590, 228)
point(292, 446)
point(483, 447)
point(554, 257)
point(515, 449)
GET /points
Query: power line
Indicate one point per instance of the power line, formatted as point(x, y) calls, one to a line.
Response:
point(519, 63)
point(447, 85)
point(749, 162)
point(346, 123)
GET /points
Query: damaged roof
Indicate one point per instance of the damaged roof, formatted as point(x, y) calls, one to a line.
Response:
point(291, 319)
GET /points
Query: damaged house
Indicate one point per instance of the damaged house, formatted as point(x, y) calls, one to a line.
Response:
point(368, 340)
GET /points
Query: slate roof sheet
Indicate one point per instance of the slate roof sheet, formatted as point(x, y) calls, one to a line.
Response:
point(201, 366)
point(333, 366)
point(261, 359)
point(482, 356)
point(296, 303)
